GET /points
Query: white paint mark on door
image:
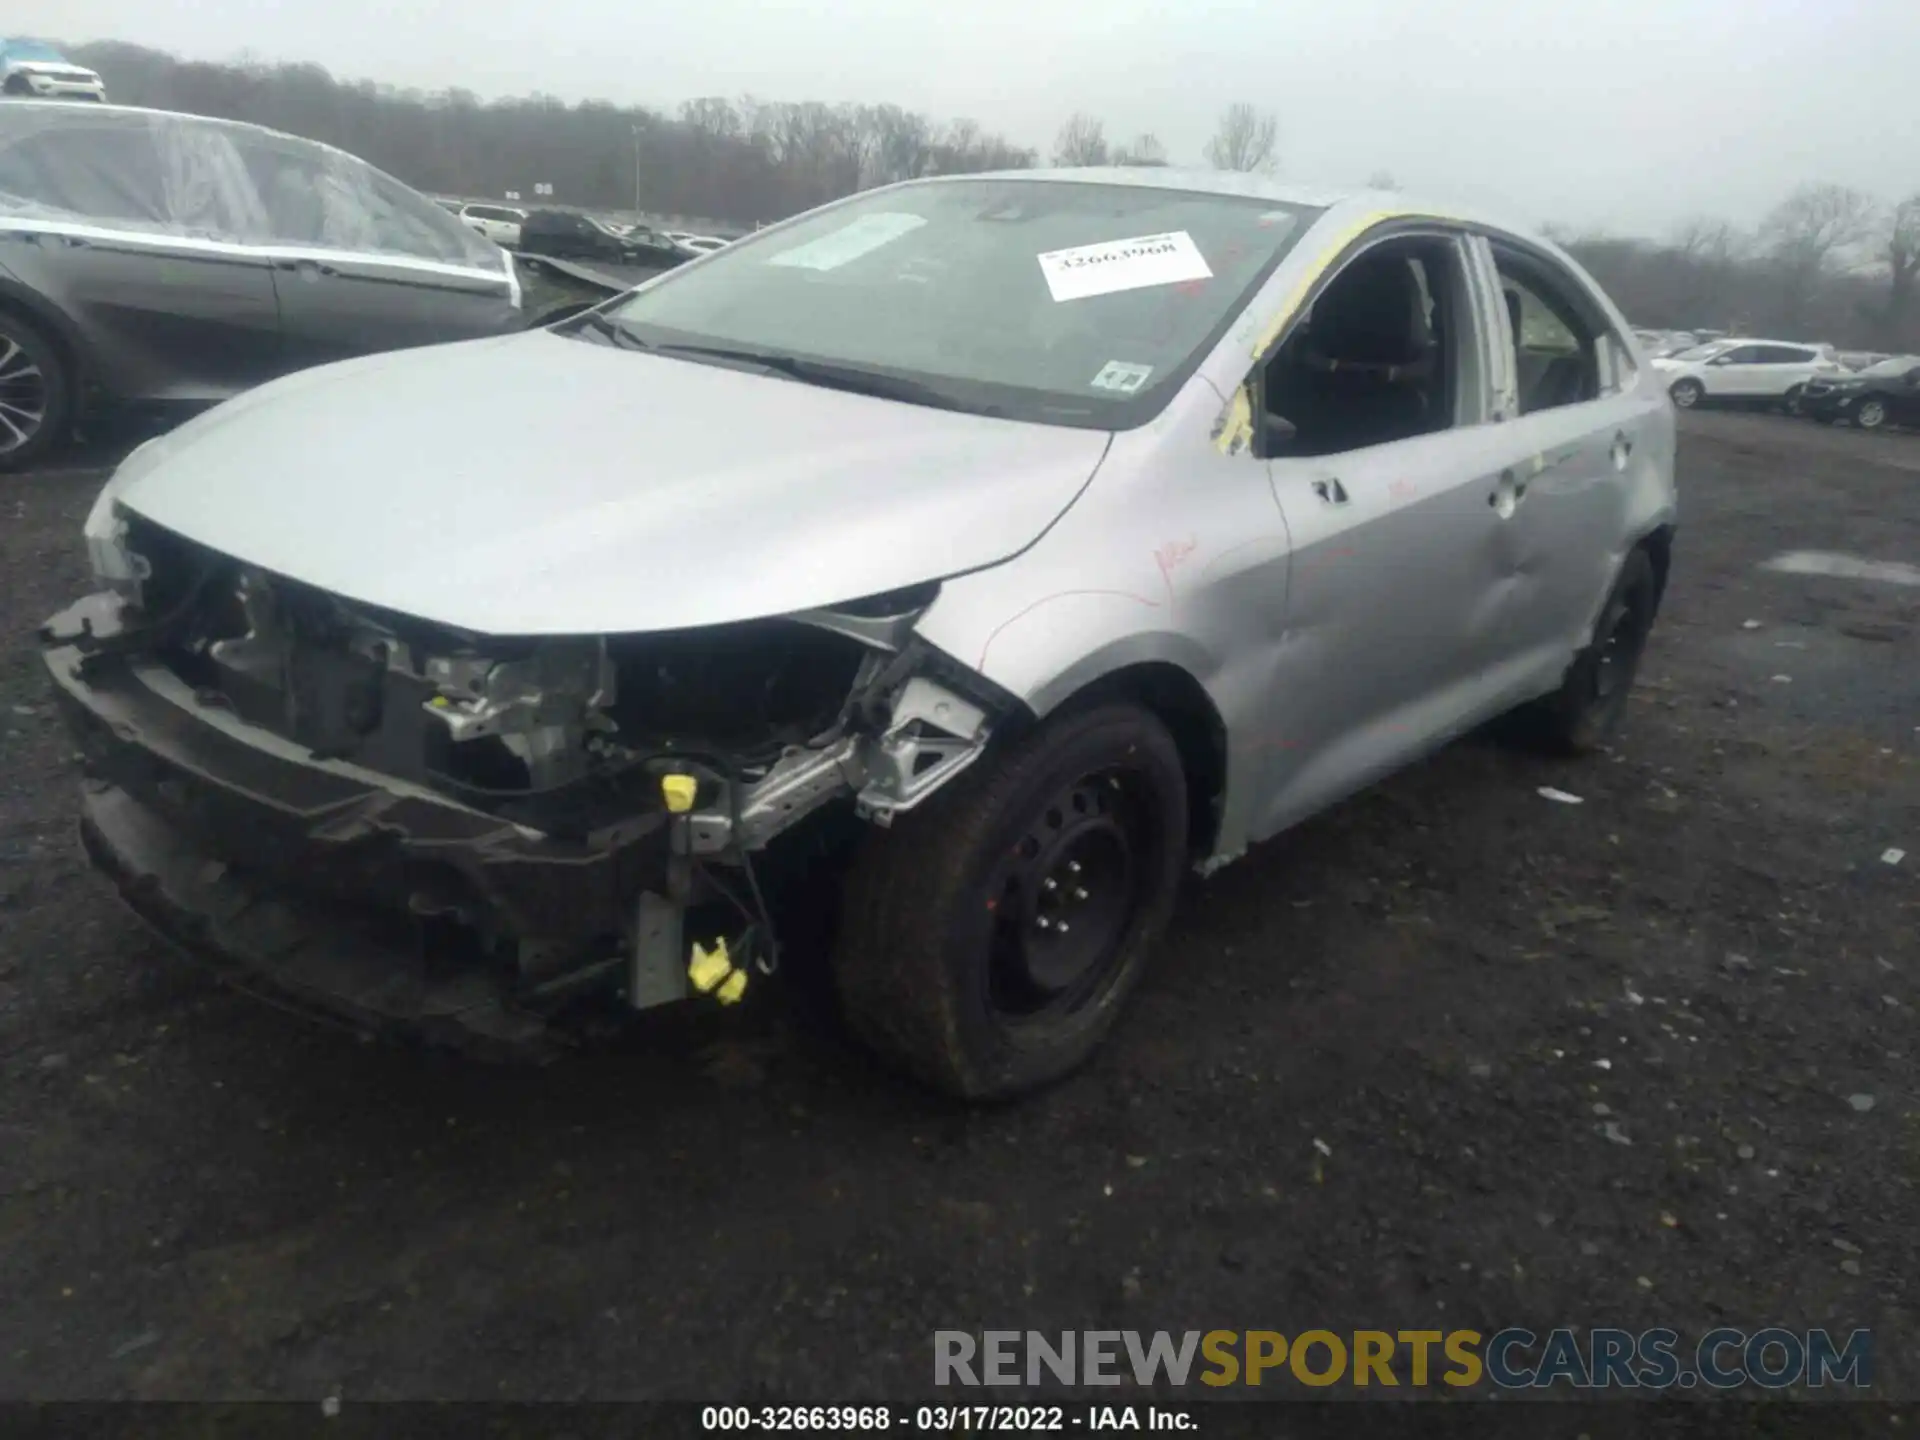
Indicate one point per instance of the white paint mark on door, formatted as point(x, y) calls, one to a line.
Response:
point(1844, 567)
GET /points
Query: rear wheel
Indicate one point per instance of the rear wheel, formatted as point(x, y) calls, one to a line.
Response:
point(991, 938)
point(1687, 393)
point(1871, 415)
point(35, 394)
point(1584, 712)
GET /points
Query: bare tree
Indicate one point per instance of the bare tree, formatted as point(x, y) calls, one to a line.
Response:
point(1082, 141)
point(1141, 150)
point(1803, 235)
point(712, 116)
point(1902, 251)
point(1245, 140)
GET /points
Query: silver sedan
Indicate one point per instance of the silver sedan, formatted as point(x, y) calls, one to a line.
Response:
point(978, 553)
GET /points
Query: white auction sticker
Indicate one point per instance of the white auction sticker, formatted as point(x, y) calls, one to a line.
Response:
point(849, 242)
point(1119, 375)
point(1123, 265)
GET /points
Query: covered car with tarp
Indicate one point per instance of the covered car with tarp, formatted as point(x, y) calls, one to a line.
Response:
point(148, 257)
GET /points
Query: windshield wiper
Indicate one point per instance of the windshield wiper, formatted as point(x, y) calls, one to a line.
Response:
point(612, 329)
point(850, 378)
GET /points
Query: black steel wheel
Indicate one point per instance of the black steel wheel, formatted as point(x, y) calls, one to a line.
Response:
point(991, 936)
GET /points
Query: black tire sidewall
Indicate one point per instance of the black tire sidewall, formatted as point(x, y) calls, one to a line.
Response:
point(1587, 719)
point(1693, 387)
point(912, 960)
point(59, 395)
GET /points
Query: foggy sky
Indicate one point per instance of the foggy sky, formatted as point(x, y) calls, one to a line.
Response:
point(1629, 115)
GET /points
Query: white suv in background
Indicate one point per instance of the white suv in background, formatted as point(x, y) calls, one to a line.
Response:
point(1744, 370)
point(31, 70)
point(499, 223)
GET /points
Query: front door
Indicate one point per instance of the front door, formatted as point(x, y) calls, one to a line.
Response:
point(1395, 511)
point(1737, 373)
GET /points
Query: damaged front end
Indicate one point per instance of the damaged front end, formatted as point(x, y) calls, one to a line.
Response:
point(407, 826)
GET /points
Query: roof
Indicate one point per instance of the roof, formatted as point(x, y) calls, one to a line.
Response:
point(1342, 204)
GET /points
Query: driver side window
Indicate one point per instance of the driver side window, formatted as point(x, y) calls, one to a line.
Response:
point(1384, 353)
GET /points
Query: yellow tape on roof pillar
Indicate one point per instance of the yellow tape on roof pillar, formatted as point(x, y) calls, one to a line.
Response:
point(1234, 431)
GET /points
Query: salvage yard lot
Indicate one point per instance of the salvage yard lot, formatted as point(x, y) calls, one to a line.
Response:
point(1595, 1064)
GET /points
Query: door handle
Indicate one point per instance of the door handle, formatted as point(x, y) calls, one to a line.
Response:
point(1331, 491)
point(306, 267)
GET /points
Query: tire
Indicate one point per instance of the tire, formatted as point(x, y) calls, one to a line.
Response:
point(1687, 393)
point(1790, 402)
point(1583, 713)
point(948, 963)
point(17, 85)
point(36, 394)
point(1870, 414)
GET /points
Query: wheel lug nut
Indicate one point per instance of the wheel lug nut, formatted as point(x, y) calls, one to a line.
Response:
point(1073, 867)
point(1046, 924)
point(1063, 927)
point(1079, 892)
point(1049, 884)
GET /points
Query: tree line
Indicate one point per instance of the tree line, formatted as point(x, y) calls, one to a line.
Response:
point(1829, 263)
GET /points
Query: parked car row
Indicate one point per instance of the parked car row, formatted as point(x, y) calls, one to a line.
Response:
point(985, 551)
point(1863, 388)
point(1745, 370)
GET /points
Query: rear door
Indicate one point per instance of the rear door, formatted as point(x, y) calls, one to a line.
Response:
point(108, 224)
point(361, 264)
point(1790, 366)
point(1580, 429)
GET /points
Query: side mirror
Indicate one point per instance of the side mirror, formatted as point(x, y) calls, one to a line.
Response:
point(1276, 433)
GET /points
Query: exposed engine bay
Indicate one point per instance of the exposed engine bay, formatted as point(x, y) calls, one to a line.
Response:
point(730, 737)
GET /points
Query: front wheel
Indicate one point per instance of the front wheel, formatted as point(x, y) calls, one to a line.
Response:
point(1790, 402)
point(991, 937)
point(1871, 415)
point(1687, 393)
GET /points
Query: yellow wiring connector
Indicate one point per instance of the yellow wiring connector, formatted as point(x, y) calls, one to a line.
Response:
point(712, 972)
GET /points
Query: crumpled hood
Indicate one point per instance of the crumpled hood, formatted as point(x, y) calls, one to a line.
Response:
point(536, 484)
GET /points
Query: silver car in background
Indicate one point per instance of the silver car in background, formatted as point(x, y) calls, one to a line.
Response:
point(161, 260)
point(986, 551)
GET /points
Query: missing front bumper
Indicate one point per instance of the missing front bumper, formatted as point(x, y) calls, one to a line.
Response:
point(296, 953)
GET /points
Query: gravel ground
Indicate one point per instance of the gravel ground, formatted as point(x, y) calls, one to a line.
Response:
point(1442, 982)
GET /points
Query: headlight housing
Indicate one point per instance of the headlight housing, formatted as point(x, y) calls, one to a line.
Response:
point(115, 566)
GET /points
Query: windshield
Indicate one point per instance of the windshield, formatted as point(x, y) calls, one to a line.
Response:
point(1703, 352)
point(31, 50)
point(1056, 301)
